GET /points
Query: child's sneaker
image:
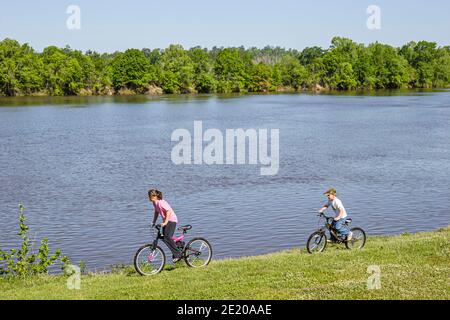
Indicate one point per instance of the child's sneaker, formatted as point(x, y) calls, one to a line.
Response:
point(176, 259)
point(350, 236)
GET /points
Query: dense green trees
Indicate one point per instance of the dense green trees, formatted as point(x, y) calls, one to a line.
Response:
point(20, 69)
point(345, 65)
point(132, 70)
point(62, 73)
point(176, 70)
point(231, 70)
point(430, 64)
point(204, 80)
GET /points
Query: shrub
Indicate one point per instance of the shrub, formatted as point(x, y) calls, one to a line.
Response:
point(22, 262)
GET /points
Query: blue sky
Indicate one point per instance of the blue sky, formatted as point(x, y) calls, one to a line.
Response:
point(109, 25)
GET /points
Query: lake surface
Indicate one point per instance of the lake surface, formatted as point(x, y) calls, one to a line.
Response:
point(82, 168)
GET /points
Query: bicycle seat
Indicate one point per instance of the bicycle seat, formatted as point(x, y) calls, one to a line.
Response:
point(349, 220)
point(185, 228)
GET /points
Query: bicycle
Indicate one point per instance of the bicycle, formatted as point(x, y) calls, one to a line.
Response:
point(150, 258)
point(317, 241)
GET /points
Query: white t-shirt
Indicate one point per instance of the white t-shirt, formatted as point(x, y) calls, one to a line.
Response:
point(337, 205)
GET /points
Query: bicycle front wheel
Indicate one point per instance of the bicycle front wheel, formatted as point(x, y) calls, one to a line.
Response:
point(198, 253)
point(358, 239)
point(317, 242)
point(149, 261)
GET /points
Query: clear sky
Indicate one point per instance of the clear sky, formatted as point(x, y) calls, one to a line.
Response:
point(109, 25)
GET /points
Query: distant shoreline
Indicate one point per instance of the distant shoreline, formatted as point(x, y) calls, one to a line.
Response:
point(355, 92)
point(344, 66)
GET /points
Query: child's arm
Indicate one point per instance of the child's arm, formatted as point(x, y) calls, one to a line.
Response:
point(341, 213)
point(166, 220)
point(155, 216)
point(325, 206)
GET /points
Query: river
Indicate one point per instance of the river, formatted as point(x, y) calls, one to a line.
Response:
point(82, 168)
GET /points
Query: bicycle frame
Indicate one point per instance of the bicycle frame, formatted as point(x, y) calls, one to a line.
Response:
point(182, 237)
point(328, 226)
point(158, 235)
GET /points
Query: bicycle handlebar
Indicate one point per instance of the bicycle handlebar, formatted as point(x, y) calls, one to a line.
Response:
point(321, 214)
point(155, 226)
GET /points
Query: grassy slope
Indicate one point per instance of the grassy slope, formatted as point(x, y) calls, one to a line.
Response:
point(413, 266)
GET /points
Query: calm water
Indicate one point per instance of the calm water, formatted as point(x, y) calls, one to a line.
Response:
point(82, 168)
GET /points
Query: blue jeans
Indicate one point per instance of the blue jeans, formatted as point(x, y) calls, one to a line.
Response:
point(342, 230)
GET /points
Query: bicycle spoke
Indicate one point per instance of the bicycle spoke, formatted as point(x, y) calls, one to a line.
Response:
point(358, 239)
point(316, 243)
point(149, 261)
point(198, 253)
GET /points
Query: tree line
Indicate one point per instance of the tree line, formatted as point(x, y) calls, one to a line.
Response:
point(345, 65)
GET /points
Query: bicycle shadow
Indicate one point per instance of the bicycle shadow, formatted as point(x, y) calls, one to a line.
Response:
point(177, 266)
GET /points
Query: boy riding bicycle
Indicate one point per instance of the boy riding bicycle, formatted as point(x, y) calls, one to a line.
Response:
point(340, 215)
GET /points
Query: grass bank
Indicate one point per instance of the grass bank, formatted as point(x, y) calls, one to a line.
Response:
point(413, 266)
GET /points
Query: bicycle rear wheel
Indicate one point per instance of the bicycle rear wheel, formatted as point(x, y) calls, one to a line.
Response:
point(149, 261)
point(198, 253)
point(317, 242)
point(358, 239)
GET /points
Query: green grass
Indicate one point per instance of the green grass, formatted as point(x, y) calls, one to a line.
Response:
point(413, 266)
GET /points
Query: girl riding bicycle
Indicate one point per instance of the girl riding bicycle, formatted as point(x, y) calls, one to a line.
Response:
point(170, 220)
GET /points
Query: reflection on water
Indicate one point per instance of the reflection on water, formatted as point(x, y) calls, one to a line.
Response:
point(82, 167)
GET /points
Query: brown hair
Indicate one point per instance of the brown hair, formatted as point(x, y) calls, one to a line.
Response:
point(155, 192)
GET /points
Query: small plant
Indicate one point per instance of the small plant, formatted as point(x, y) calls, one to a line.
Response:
point(405, 234)
point(21, 262)
point(82, 266)
point(123, 269)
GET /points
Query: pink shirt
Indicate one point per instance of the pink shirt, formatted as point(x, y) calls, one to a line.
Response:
point(161, 207)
